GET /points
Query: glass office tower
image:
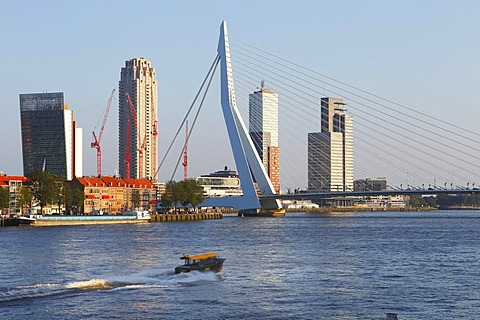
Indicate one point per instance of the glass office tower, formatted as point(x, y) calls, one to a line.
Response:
point(48, 138)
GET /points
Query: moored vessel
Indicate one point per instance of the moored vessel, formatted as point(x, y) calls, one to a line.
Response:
point(50, 221)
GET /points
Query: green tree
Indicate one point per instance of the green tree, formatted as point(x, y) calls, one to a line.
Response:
point(194, 193)
point(25, 197)
point(174, 194)
point(167, 197)
point(186, 193)
point(59, 197)
point(417, 201)
point(45, 188)
point(74, 198)
point(4, 198)
point(77, 199)
point(135, 198)
point(431, 201)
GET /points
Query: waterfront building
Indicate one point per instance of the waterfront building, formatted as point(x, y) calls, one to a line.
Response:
point(49, 138)
point(379, 201)
point(263, 129)
point(137, 155)
point(330, 151)
point(114, 194)
point(13, 184)
point(224, 183)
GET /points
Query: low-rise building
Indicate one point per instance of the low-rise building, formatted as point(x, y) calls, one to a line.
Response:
point(13, 184)
point(114, 195)
point(384, 202)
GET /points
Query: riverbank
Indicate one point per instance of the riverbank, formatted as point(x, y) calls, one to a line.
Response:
point(356, 209)
point(163, 217)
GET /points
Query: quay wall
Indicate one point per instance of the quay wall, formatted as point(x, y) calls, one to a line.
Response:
point(162, 217)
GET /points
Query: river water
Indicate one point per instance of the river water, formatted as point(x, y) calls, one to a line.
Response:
point(421, 265)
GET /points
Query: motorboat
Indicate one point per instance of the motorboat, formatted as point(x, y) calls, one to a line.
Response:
point(200, 262)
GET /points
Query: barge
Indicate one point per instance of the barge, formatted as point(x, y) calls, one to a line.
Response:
point(50, 221)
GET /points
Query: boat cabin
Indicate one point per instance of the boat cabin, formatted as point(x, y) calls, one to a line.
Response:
point(200, 262)
point(198, 258)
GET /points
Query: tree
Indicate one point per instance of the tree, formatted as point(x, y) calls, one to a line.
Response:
point(4, 198)
point(194, 192)
point(25, 197)
point(185, 192)
point(173, 194)
point(417, 201)
point(74, 198)
point(167, 197)
point(135, 198)
point(45, 188)
point(431, 201)
point(77, 199)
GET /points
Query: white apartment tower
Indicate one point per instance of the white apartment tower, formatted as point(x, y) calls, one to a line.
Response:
point(137, 152)
point(263, 129)
point(330, 152)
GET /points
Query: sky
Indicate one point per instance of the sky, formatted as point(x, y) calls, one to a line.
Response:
point(421, 53)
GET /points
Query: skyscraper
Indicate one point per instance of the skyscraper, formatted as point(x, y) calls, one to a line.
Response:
point(48, 135)
point(330, 152)
point(263, 129)
point(137, 154)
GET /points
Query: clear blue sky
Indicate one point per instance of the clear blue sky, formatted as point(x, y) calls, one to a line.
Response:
point(421, 53)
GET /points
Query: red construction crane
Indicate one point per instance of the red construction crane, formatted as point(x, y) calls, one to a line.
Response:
point(96, 139)
point(127, 150)
point(155, 146)
point(185, 155)
point(143, 145)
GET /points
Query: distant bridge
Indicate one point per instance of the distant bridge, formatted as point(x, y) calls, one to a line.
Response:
point(352, 194)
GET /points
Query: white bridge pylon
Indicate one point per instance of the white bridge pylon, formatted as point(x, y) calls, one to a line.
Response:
point(246, 157)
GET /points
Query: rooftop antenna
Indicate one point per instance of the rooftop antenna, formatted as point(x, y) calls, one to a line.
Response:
point(262, 84)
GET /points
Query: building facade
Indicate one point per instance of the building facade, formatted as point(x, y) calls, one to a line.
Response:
point(48, 135)
point(380, 201)
point(330, 151)
point(137, 155)
point(224, 183)
point(114, 194)
point(13, 185)
point(263, 129)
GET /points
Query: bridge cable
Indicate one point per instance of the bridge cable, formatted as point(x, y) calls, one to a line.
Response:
point(186, 116)
point(356, 88)
point(217, 60)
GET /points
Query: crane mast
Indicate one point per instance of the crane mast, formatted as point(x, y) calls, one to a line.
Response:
point(155, 146)
point(127, 150)
point(97, 139)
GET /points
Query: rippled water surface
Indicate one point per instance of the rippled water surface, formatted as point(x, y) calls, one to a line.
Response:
point(302, 266)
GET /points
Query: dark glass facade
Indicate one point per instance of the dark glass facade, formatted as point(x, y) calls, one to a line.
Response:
point(43, 120)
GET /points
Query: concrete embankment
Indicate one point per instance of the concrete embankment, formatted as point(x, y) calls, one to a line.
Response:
point(185, 217)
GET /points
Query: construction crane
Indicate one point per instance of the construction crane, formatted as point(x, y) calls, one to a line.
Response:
point(155, 146)
point(127, 150)
point(185, 155)
point(97, 138)
point(143, 144)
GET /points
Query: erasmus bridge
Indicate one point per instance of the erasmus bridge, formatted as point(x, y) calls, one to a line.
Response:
point(425, 154)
